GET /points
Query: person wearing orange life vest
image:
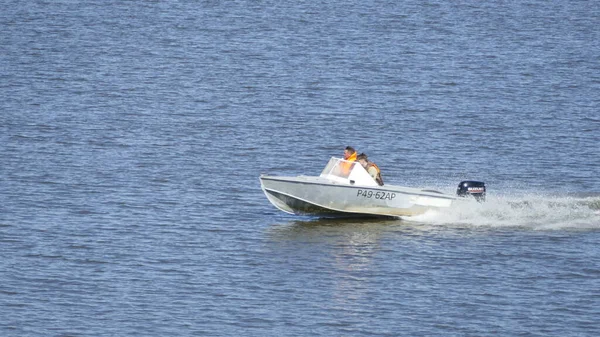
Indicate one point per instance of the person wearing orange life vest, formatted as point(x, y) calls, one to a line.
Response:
point(371, 167)
point(349, 156)
point(349, 153)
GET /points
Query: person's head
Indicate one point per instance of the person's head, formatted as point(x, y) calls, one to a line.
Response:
point(363, 159)
point(348, 151)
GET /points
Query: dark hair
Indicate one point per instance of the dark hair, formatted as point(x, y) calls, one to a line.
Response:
point(362, 156)
point(350, 149)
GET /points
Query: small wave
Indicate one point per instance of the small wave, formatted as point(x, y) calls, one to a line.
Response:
point(532, 211)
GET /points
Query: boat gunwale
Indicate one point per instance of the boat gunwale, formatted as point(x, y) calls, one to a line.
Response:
point(418, 192)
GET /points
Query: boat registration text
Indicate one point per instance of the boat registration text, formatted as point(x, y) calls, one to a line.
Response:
point(376, 195)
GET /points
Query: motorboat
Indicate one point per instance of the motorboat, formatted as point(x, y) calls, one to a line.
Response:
point(345, 189)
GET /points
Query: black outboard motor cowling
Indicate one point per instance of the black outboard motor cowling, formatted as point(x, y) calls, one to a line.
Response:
point(470, 187)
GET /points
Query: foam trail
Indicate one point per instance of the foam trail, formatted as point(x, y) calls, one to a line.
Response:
point(533, 211)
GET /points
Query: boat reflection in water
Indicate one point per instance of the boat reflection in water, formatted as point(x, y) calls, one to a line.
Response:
point(345, 189)
point(347, 247)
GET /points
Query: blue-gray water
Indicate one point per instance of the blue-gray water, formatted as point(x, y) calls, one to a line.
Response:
point(133, 134)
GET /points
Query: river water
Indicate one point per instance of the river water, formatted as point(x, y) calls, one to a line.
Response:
point(134, 132)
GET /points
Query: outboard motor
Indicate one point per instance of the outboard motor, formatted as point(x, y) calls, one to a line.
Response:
point(470, 187)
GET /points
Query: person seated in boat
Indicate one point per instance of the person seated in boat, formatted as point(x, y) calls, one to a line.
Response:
point(349, 153)
point(349, 156)
point(371, 167)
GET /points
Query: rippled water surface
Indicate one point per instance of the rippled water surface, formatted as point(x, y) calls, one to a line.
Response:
point(133, 134)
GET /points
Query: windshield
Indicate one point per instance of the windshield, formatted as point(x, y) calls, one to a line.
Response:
point(338, 168)
point(347, 172)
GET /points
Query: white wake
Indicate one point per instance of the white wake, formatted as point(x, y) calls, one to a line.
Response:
point(533, 211)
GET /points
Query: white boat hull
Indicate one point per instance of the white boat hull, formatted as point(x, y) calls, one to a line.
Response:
point(321, 197)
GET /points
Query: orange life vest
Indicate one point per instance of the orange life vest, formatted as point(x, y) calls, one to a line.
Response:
point(346, 167)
